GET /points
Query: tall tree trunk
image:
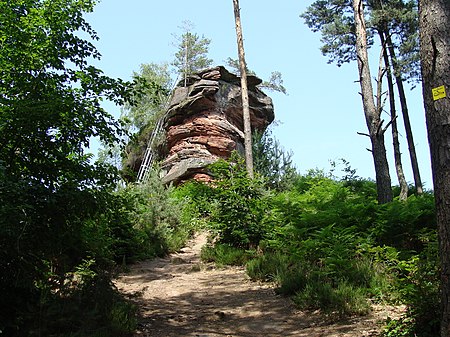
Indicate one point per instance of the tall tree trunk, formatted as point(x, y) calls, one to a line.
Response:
point(395, 141)
point(405, 115)
point(244, 90)
point(185, 63)
point(434, 24)
point(372, 114)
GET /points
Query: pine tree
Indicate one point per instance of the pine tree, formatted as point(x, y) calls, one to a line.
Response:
point(371, 111)
point(192, 53)
point(395, 21)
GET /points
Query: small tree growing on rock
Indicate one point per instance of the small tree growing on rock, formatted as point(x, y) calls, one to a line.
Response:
point(192, 52)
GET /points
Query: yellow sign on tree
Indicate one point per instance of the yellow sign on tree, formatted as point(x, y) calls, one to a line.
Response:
point(439, 93)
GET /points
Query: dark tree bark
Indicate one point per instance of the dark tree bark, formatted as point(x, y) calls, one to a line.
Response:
point(395, 141)
point(405, 115)
point(245, 104)
point(372, 114)
point(434, 23)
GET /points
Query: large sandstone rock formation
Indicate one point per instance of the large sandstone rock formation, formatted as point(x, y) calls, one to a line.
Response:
point(204, 122)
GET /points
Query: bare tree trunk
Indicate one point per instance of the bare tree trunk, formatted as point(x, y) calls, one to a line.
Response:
point(185, 63)
point(372, 114)
point(434, 24)
point(395, 141)
point(244, 89)
point(405, 114)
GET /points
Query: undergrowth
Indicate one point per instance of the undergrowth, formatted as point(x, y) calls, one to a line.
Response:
point(324, 242)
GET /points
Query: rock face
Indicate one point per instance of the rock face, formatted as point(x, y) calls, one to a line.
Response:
point(204, 122)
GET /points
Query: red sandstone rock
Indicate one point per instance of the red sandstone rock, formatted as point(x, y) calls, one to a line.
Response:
point(204, 122)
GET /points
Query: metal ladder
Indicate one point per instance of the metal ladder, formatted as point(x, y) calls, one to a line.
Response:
point(144, 169)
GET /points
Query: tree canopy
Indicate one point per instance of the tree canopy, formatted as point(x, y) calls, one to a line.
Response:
point(192, 51)
point(50, 107)
point(398, 18)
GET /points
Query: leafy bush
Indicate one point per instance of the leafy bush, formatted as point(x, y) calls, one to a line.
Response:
point(223, 254)
point(45, 237)
point(407, 224)
point(311, 286)
point(323, 240)
point(343, 299)
point(272, 162)
point(196, 201)
point(83, 303)
point(148, 221)
point(418, 285)
point(268, 266)
point(237, 205)
point(326, 243)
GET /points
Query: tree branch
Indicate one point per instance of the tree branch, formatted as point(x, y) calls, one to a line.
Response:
point(389, 124)
point(380, 127)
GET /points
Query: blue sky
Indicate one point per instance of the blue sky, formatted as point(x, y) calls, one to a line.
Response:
point(322, 113)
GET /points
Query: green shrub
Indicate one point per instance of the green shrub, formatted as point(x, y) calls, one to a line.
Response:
point(146, 220)
point(267, 267)
point(79, 303)
point(418, 286)
point(272, 162)
point(343, 299)
point(238, 204)
point(319, 244)
point(294, 278)
point(406, 224)
point(223, 254)
point(195, 201)
point(403, 327)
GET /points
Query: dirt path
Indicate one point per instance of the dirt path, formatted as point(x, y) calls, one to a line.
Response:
point(179, 296)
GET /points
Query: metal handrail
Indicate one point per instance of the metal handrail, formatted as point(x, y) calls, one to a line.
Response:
point(144, 169)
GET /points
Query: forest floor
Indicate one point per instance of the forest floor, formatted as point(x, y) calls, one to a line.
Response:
point(179, 296)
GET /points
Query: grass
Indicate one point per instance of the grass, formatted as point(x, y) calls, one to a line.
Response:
point(223, 254)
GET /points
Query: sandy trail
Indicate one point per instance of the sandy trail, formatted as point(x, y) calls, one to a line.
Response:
point(180, 296)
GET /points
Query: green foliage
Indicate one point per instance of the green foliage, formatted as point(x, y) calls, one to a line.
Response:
point(191, 55)
point(53, 275)
point(322, 203)
point(418, 284)
point(334, 19)
point(149, 105)
point(235, 67)
point(394, 18)
point(407, 224)
point(275, 82)
point(238, 204)
point(150, 221)
point(225, 255)
point(322, 242)
point(341, 300)
point(196, 199)
point(399, 20)
point(84, 303)
point(315, 286)
point(65, 290)
point(268, 266)
point(272, 162)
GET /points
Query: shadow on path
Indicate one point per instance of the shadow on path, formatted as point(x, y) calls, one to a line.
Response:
point(179, 296)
